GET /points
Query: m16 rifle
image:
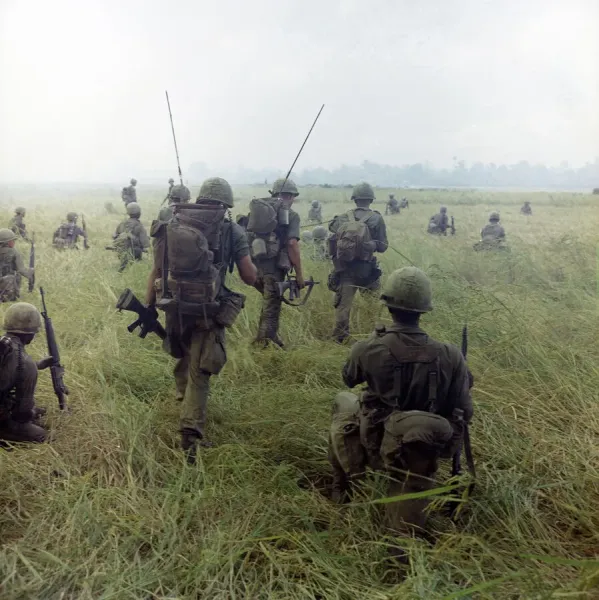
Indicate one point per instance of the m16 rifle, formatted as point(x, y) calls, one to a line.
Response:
point(452, 226)
point(147, 319)
point(292, 285)
point(56, 369)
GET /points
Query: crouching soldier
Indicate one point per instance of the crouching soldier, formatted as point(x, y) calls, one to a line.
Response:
point(12, 267)
point(492, 236)
point(411, 412)
point(130, 238)
point(18, 376)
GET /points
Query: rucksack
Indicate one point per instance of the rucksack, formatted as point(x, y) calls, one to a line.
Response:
point(124, 193)
point(193, 249)
point(262, 223)
point(352, 237)
point(128, 239)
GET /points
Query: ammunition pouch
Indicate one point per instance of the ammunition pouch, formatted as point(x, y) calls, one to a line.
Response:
point(229, 309)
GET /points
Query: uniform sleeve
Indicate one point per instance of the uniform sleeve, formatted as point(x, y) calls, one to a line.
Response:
point(293, 230)
point(240, 247)
point(381, 236)
point(24, 391)
point(82, 233)
point(143, 237)
point(119, 229)
point(353, 373)
point(20, 266)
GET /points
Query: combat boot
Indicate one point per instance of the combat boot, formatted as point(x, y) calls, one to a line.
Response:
point(189, 445)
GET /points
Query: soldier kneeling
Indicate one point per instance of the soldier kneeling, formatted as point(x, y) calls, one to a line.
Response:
point(412, 410)
point(18, 376)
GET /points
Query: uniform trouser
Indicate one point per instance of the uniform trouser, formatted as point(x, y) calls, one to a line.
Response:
point(10, 287)
point(270, 314)
point(13, 431)
point(129, 256)
point(344, 297)
point(203, 355)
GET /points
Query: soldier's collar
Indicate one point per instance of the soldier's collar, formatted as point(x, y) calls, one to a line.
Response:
point(396, 327)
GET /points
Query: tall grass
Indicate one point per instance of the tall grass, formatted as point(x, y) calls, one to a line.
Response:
point(109, 509)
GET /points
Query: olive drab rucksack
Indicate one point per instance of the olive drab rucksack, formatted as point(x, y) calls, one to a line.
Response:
point(193, 254)
point(263, 221)
point(352, 238)
point(128, 239)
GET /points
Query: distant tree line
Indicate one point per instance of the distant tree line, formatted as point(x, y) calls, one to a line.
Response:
point(477, 174)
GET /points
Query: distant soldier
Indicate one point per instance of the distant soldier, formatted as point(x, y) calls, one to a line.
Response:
point(404, 203)
point(411, 413)
point(130, 237)
point(177, 194)
point(492, 235)
point(526, 209)
point(392, 206)
point(68, 234)
point(12, 267)
point(18, 376)
point(17, 223)
point(439, 223)
point(274, 253)
point(356, 236)
point(171, 184)
point(315, 213)
point(319, 235)
point(129, 193)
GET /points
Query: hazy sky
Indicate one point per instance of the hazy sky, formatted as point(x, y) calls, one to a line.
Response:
point(82, 83)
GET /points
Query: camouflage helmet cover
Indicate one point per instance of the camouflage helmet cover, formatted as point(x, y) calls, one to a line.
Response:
point(391, 195)
point(319, 233)
point(363, 191)
point(180, 193)
point(72, 216)
point(22, 318)
point(217, 189)
point(408, 289)
point(171, 180)
point(494, 216)
point(307, 236)
point(133, 209)
point(133, 181)
point(7, 235)
point(282, 186)
point(443, 209)
point(315, 203)
point(20, 210)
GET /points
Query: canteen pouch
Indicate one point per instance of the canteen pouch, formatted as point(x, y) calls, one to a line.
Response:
point(230, 307)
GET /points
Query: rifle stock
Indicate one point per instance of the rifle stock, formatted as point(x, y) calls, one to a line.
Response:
point(147, 319)
point(56, 370)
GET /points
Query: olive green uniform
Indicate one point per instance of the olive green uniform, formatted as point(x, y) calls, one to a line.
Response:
point(270, 272)
point(18, 378)
point(392, 206)
point(492, 232)
point(526, 209)
point(17, 224)
point(198, 344)
point(138, 240)
point(11, 270)
point(315, 213)
point(438, 224)
point(363, 275)
point(67, 236)
point(412, 381)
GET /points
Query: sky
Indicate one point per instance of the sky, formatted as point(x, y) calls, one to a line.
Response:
point(82, 84)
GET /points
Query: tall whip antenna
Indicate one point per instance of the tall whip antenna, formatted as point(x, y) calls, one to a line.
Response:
point(170, 114)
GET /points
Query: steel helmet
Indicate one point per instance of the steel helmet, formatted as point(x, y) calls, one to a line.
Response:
point(133, 209)
point(443, 209)
point(22, 318)
point(133, 181)
point(171, 180)
point(494, 216)
point(363, 191)
point(408, 289)
point(218, 189)
point(307, 236)
point(7, 235)
point(180, 193)
point(319, 233)
point(72, 216)
point(315, 203)
point(20, 210)
point(280, 186)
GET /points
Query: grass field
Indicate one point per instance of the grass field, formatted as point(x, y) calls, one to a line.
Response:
point(111, 510)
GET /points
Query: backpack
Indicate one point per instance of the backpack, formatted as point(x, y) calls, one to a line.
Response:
point(262, 223)
point(128, 239)
point(124, 193)
point(193, 252)
point(352, 238)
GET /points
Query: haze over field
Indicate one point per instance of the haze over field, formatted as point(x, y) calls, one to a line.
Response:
point(82, 95)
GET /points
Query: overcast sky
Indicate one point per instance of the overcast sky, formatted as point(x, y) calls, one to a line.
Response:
point(82, 83)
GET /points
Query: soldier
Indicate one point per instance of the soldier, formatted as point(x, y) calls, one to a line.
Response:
point(526, 208)
point(392, 205)
point(404, 203)
point(67, 235)
point(171, 184)
point(177, 195)
point(357, 235)
point(130, 238)
point(272, 270)
point(18, 376)
point(195, 327)
point(492, 235)
point(11, 267)
point(129, 193)
point(315, 213)
point(17, 224)
point(412, 410)
point(439, 223)
point(319, 235)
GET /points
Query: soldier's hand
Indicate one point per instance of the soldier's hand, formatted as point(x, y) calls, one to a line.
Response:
point(46, 362)
point(301, 284)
